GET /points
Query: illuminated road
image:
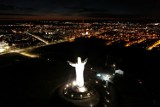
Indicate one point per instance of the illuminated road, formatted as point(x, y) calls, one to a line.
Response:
point(113, 41)
point(25, 52)
point(134, 42)
point(154, 45)
point(37, 37)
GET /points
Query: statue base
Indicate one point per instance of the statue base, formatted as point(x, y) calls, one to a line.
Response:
point(73, 94)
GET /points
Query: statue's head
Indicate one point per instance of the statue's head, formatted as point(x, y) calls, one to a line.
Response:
point(79, 59)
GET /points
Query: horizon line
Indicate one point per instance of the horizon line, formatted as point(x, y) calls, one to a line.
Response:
point(109, 17)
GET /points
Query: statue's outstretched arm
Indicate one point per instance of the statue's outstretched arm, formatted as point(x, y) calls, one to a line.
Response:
point(85, 61)
point(71, 63)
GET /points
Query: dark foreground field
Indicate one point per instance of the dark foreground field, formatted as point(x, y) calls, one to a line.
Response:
point(30, 82)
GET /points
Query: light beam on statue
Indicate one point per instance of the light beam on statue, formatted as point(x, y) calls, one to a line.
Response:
point(79, 67)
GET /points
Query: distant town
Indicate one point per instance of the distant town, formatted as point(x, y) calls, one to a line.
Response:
point(18, 36)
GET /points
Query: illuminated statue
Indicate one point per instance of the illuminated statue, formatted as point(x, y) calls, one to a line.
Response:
point(79, 67)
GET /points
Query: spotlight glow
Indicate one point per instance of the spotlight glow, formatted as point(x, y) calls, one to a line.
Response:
point(82, 89)
point(98, 75)
point(74, 83)
point(106, 77)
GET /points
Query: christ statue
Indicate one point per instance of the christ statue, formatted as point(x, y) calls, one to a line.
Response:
point(79, 67)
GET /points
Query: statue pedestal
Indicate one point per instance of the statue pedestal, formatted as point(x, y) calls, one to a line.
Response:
point(74, 92)
point(88, 98)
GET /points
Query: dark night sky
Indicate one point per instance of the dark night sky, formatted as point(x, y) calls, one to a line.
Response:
point(91, 8)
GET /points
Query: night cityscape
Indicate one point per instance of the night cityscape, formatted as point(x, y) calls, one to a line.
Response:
point(79, 53)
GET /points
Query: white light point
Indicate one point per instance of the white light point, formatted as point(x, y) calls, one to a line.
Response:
point(88, 94)
point(91, 105)
point(81, 96)
point(108, 101)
point(97, 82)
point(98, 75)
point(65, 93)
point(74, 83)
point(72, 95)
point(87, 33)
point(67, 85)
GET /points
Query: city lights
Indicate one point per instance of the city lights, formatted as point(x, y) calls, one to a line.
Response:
point(4, 46)
point(30, 35)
